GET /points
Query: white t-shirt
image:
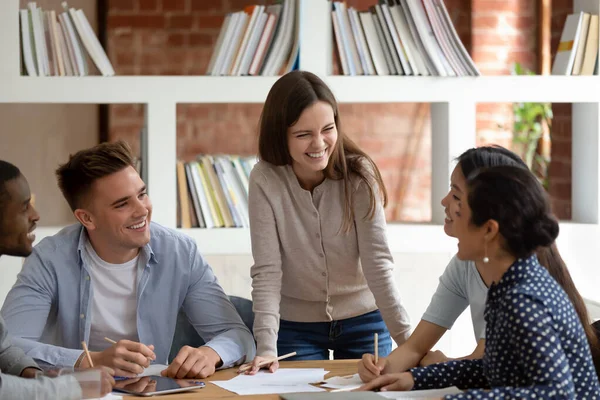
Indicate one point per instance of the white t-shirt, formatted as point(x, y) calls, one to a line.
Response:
point(460, 286)
point(114, 300)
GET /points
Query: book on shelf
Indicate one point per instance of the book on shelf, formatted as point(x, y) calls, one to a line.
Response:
point(577, 52)
point(58, 43)
point(212, 191)
point(399, 37)
point(259, 40)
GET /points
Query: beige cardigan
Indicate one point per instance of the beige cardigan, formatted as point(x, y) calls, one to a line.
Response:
point(304, 270)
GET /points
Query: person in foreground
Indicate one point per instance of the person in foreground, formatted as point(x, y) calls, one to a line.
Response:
point(18, 220)
point(118, 275)
point(535, 343)
point(321, 259)
point(465, 283)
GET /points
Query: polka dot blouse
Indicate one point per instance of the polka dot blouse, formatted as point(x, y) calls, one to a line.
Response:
point(535, 349)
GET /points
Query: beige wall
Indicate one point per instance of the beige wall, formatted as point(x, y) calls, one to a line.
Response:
point(37, 137)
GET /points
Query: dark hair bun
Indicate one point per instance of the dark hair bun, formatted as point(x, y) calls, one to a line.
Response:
point(514, 198)
point(542, 233)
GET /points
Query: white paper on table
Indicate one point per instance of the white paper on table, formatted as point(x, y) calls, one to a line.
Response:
point(421, 394)
point(284, 380)
point(110, 396)
point(339, 382)
point(154, 369)
point(275, 389)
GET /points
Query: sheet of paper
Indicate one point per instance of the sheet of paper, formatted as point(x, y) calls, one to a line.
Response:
point(332, 396)
point(349, 382)
point(299, 388)
point(110, 396)
point(421, 394)
point(154, 369)
point(284, 380)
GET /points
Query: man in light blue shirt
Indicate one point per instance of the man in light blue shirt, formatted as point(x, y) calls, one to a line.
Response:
point(117, 275)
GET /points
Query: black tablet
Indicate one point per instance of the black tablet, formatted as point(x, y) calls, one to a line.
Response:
point(156, 385)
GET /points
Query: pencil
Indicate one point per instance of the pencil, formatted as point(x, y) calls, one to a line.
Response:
point(376, 348)
point(246, 367)
point(87, 354)
point(109, 340)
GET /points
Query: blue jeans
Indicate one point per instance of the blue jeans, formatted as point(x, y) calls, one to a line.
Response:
point(348, 338)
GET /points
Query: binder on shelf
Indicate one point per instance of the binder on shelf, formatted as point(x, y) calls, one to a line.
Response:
point(28, 44)
point(578, 51)
point(567, 47)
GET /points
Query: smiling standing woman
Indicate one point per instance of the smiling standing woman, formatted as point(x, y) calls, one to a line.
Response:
point(323, 273)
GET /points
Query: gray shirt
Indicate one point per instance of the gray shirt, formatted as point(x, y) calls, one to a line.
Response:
point(460, 286)
point(305, 270)
point(13, 361)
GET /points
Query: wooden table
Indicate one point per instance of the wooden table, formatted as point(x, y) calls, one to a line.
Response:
point(210, 391)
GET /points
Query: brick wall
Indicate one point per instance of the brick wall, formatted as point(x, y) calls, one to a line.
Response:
point(560, 167)
point(176, 37)
point(503, 32)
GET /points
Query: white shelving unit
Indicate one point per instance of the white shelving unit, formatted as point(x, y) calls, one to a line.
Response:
point(453, 102)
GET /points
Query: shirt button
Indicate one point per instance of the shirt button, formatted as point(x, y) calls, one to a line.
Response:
point(322, 255)
point(324, 273)
point(318, 235)
point(316, 214)
point(87, 277)
point(82, 316)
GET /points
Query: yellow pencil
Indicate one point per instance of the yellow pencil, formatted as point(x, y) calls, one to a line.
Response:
point(109, 340)
point(260, 364)
point(87, 354)
point(376, 348)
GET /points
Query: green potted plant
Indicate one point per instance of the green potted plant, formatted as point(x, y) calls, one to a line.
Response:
point(531, 127)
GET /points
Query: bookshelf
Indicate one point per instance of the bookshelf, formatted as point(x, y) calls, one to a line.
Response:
point(453, 102)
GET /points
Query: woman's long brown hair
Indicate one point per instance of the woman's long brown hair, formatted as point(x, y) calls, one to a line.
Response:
point(550, 258)
point(286, 101)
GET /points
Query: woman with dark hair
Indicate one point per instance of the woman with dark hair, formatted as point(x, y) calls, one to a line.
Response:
point(322, 277)
point(465, 283)
point(536, 346)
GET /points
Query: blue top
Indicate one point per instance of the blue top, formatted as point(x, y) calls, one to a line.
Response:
point(48, 310)
point(536, 346)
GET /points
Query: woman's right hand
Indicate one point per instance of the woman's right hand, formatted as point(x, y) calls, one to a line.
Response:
point(390, 382)
point(368, 370)
point(254, 368)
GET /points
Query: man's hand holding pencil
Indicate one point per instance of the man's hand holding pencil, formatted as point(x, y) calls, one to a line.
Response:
point(125, 357)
